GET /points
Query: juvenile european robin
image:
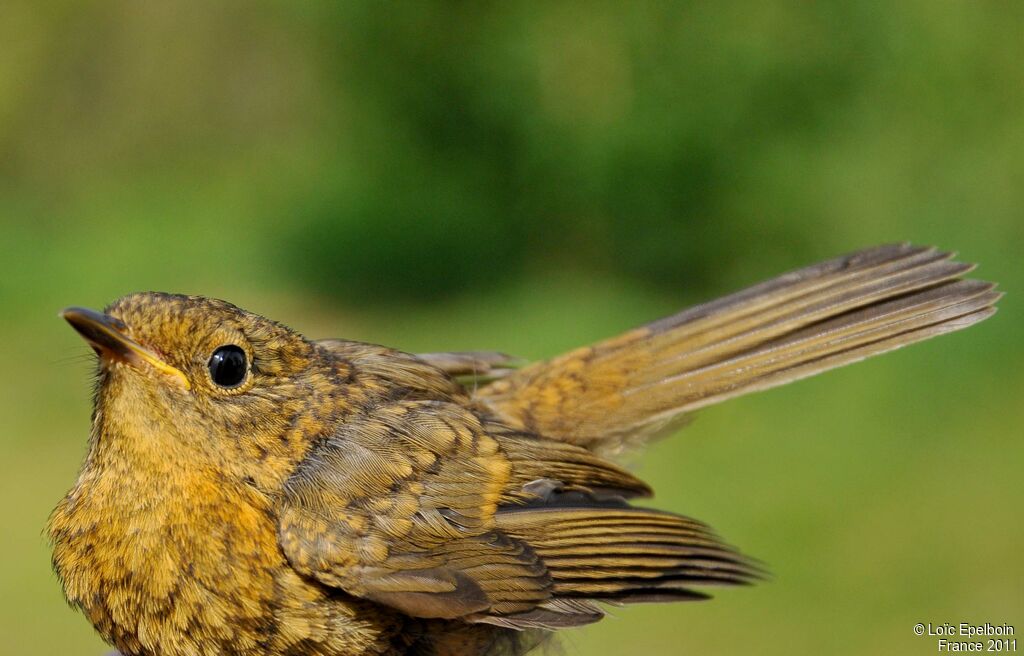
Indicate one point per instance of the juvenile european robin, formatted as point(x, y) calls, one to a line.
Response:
point(249, 491)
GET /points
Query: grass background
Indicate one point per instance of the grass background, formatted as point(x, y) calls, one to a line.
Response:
point(530, 178)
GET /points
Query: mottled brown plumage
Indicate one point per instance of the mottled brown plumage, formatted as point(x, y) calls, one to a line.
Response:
point(346, 498)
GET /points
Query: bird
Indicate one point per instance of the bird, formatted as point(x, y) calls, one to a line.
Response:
point(248, 491)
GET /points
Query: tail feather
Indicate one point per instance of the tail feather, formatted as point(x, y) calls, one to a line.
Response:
point(632, 386)
point(843, 339)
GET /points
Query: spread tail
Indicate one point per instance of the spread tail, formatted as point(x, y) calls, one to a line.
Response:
point(633, 386)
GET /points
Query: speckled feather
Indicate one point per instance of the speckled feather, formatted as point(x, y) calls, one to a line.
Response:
point(347, 498)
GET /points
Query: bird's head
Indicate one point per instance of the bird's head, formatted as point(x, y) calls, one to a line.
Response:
point(198, 380)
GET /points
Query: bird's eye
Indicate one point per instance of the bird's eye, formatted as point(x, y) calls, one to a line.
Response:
point(228, 366)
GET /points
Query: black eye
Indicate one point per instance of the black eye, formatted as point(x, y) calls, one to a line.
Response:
point(227, 366)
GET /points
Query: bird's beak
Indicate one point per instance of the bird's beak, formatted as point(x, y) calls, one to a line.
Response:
point(108, 335)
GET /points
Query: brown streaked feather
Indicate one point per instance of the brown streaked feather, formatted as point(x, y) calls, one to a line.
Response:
point(633, 386)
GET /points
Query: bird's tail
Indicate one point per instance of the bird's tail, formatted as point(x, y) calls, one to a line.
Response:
point(633, 386)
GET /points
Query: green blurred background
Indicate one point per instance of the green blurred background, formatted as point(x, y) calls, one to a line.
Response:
point(530, 177)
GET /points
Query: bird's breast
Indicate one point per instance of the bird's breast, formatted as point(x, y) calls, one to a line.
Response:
point(190, 566)
point(161, 566)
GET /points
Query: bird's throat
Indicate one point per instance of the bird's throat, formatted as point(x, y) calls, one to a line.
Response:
point(145, 542)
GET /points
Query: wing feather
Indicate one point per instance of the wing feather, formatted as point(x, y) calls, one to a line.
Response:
point(434, 511)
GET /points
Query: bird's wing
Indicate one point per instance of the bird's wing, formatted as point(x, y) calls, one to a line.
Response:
point(633, 386)
point(398, 507)
point(424, 507)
